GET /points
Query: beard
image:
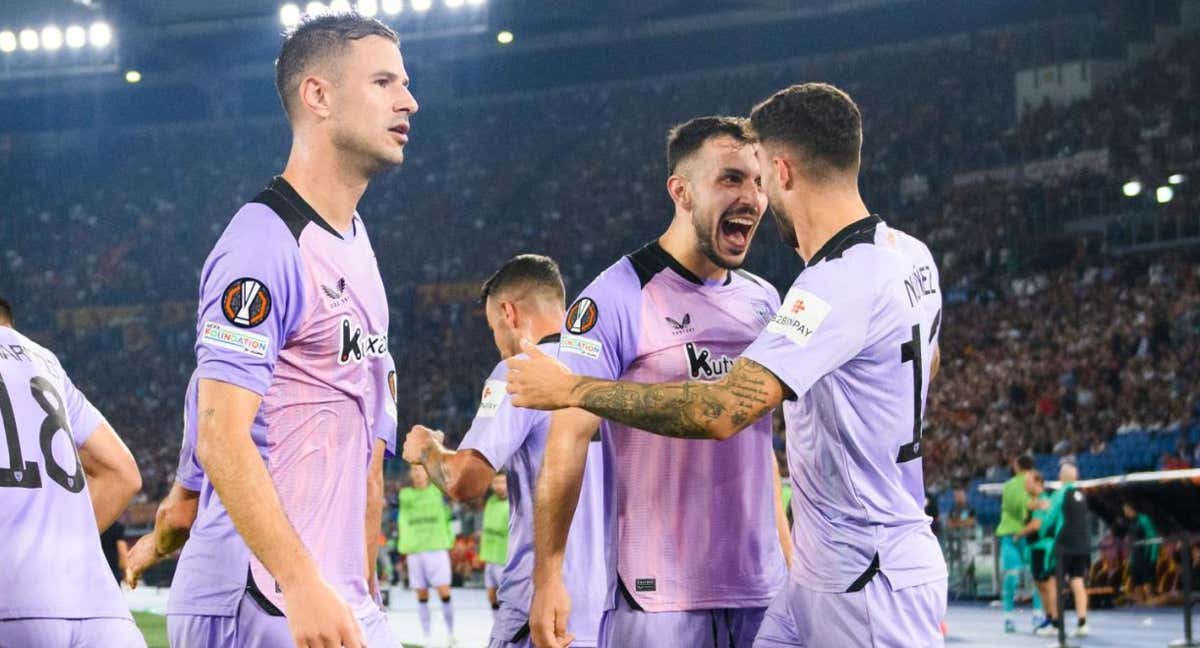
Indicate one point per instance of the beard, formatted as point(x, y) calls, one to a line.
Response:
point(787, 230)
point(706, 236)
point(368, 156)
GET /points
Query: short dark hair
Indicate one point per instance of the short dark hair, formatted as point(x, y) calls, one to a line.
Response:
point(315, 38)
point(820, 122)
point(6, 312)
point(685, 139)
point(525, 271)
point(1037, 476)
point(1025, 462)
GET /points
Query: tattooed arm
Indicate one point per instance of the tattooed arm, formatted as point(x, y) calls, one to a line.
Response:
point(687, 410)
point(462, 474)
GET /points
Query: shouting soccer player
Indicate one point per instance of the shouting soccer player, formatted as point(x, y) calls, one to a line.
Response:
point(524, 299)
point(67, 477)
point(293, 382)
point(849, 354)
point(692, 528)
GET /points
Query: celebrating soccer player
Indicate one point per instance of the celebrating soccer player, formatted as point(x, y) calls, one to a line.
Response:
point(849, 354)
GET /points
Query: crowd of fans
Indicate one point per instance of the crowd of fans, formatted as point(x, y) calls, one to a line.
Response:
point(1050, 343)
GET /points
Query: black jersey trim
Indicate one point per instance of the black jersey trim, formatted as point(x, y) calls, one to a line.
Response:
point(866, 576)
point(555, 338)
point(260, 598)
point(282, 198)
point(652, 259)
point(860, 231)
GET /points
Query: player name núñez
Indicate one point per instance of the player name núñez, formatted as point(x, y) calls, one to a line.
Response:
point(919, 284)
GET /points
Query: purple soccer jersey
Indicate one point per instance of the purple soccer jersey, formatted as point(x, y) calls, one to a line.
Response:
point(514, 439)
point(295, 311)
point(853, 340)
point(690, 524)
point(53, 565)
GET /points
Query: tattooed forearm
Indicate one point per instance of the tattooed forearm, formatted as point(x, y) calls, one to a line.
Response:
point(433, 458)
point(690, 410)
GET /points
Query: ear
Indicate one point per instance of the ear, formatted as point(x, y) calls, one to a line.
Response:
point(314, 95)
point(510, 313)
point(677, 188)
point(783, 168)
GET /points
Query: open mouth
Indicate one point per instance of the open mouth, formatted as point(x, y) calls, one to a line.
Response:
point(736, 231)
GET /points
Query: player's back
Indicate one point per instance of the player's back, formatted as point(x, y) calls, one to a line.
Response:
point(53, 563)
point(691, 523)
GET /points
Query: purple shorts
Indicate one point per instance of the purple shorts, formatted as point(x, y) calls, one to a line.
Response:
point(873, 616)
point(625, 626)
point(253, 627)
point(428, 569)
point(71, 633)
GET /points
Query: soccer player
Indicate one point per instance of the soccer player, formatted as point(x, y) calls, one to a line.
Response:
point(1014, 509)
point(66, 478)
point(692, 538)
point(524, 299)
point(424, 536)
point(493, 546)
point(849, 355)
point(1041, 550)
point(293, 380)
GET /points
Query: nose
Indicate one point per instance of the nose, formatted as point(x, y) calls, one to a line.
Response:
point(407, 102)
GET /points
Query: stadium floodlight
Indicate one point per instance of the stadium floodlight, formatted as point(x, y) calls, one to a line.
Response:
point(340, 6)
point(133, 76)
point(29, 40)
point(454, 4)
point(392, 7)
point(52, 38)
point(1131, 188)
point(1176, 178)
point(1164, 194)
point(422, 5)
point(76, 37)
point(100, 34)
point(8, 41)
point(504, 37)
point(289, 14)
point(315, 8)
point(367, 8)
point(475, 3)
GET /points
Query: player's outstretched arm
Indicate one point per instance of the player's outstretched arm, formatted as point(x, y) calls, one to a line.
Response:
point(374, 517)
point(172, 524)
point(112, 474)
point(685, 410)
point(461, 474)
point(316, 615)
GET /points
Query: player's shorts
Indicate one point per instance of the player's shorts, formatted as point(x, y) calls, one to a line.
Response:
point(623, 627)
point(1012, 555)
point(491, 575)
point(1037, 564)
point(70, 633)
point(1076, 565)
point(428, 569)
point(873, 616)
point(254, 627)
point(1141, 569)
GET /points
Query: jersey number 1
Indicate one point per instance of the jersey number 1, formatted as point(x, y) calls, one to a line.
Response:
point(911, 352)
point(24, 474)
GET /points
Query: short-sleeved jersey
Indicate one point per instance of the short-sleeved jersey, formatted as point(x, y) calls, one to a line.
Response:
point(295, 311)
point(54, 566)
point(513, 439)
point(691, 523)
point(852, 341)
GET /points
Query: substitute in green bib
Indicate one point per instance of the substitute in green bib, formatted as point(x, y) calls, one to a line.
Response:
point(1014, 509)
point(493, 547)
point(425, 537)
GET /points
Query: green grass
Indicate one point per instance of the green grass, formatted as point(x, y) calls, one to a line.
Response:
point(154, 628)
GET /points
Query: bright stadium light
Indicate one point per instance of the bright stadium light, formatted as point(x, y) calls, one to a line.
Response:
point(454, 4)
point(1164, 194)
point(1131, 188)
point(1176, 178)
point(505, 37)
point(340, 6)
point(392, 7)
point(52, 38)
point(133, 76)
point(315, 8)
point(76, 37)
point(289, 14)
point(29, 40)
point(100, 34)
point(422, 5)
point(8, 41)
point(367, 8)
point(475, 3)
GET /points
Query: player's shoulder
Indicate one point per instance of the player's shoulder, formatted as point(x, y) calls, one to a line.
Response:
point(10, 337)
point(756, 283)
point(619, 279)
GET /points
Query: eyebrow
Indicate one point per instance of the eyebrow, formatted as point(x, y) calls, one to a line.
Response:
point(390, 76)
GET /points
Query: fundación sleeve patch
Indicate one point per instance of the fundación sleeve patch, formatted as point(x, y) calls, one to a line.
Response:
point(800, 316)
point(493, 395)
point(227, 337)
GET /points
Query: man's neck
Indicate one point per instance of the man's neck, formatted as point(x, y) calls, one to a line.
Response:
point(324, 182)
point(679, 241)
point(823, 215)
